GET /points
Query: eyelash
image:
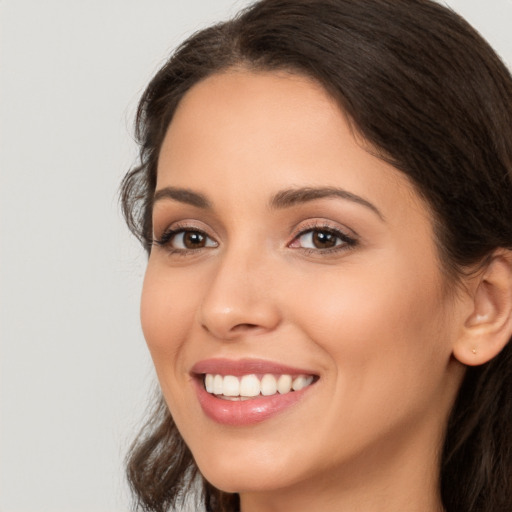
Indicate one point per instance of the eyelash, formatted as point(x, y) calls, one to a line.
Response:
point(347, 242)
point(168, 236)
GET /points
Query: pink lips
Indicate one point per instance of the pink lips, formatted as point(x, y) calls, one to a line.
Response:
point(244, 412)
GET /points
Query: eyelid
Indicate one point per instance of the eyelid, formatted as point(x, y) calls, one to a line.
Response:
point(347, 236)
point(183, 226)
point(326, 224)
point(190, 224)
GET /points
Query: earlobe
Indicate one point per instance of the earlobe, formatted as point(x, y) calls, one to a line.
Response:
point(488, 328)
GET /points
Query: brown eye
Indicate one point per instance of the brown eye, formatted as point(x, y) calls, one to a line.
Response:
point(324, 239)
point(320, 239)
point(193, 240)
point(186, 240)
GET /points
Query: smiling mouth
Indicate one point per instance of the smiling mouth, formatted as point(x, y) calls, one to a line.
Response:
point(247, 387)
point(245, 392)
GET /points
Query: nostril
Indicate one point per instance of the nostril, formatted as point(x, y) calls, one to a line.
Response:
point(236, 330)
point(237, 327)
point(244, 327)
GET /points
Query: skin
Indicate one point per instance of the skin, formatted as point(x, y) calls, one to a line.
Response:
point(373, 319)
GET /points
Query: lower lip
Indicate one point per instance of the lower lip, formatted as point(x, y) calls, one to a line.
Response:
point(246, 412)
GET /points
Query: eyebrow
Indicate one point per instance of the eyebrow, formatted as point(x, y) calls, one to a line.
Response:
point(291, 197)
point(282, 199)
point(182, 195)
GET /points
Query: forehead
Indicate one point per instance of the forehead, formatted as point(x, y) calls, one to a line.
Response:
point(245, 106)
point(262, 131)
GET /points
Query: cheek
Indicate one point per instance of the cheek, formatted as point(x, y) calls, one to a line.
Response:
point(167, 310)
point(377, 321)
point(381, 332)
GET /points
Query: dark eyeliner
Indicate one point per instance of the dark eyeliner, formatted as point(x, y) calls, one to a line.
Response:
point(166, 236)
point(342, 236)
point(349, 242)
point(166, 240)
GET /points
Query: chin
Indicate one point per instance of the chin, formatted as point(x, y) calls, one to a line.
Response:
point(247, 471)
point(233, 481)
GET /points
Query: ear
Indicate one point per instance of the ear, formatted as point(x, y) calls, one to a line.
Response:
point(488, 328)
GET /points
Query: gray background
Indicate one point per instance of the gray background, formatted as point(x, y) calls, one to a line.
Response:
point(74, 369)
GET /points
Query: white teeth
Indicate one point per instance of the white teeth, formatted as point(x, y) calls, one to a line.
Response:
point(301, 382)
point(230, 386)
point(250, 386)
point(268, 385)
point(298, 383)
point(284, 384)
point(208, 382)
point(217, 384)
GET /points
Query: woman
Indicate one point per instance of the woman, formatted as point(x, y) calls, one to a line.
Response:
point(324, 194)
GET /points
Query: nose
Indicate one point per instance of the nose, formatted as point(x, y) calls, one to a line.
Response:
point(240, 299)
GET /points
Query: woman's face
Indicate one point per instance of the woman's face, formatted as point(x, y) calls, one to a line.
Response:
point(286, 251)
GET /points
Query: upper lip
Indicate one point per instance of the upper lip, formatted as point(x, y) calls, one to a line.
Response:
point(242, 367)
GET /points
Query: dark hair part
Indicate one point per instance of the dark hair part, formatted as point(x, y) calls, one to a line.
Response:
point(430, 95)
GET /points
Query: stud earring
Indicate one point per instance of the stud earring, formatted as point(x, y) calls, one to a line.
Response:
point(474, 351)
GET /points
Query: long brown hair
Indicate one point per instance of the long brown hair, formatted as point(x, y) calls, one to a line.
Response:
point(424, 89)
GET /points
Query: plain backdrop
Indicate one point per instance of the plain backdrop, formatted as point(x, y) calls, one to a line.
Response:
point(75, 373)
